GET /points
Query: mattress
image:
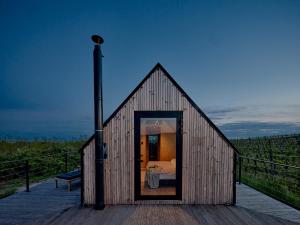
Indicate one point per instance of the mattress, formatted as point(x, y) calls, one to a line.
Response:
point(166, 170)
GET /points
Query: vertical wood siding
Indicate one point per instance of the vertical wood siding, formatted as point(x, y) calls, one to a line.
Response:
point(207, 160)
point(89, 174)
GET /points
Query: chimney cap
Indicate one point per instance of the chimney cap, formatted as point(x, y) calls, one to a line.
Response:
point(97, 39)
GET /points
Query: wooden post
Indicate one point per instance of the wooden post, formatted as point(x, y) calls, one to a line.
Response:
point(240, 169)
point(66, 162)
point(298, 142)
point(255, 168)
point(27, 175)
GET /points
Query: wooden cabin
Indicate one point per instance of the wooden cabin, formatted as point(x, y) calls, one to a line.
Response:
point(161, 149)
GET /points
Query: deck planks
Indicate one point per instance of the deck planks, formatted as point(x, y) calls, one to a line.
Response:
point(165, 215)
point(43, 201)
point(47, 205)
point(251, 199)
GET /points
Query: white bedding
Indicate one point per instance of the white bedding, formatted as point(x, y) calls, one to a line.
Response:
point(166, 169)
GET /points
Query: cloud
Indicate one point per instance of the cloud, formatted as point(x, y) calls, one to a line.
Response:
point(256, 120)
point(235, 122)
point(256, 113)
point(218, 114)
point(224, 110)
point(255, 129)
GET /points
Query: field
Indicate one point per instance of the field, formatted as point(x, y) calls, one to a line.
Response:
point(45, 159)
point(272, 165)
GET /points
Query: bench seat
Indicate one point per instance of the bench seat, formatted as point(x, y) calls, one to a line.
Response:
point(68, 177)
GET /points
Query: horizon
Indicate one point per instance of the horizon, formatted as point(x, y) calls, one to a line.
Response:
point(238, 61)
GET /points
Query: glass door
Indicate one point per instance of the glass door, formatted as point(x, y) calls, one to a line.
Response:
point(158, 143)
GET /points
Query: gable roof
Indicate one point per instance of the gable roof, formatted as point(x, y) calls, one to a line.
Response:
point(156, 67)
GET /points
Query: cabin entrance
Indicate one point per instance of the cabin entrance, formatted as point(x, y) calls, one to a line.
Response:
point(158, 150)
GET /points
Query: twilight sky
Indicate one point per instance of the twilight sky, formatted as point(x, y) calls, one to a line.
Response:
point(238, 60)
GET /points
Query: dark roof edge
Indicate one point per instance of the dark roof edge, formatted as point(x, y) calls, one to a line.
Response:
point(123, 103)
point(132, 93)
point(159, 66)
point(86, 143)
point(198, 109)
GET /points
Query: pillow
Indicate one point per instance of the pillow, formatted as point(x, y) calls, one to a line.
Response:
point(173, 161)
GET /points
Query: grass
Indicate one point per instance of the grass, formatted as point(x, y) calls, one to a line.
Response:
point(279, 181)
point(273, 189)
point(46, 159)
point(10, 187)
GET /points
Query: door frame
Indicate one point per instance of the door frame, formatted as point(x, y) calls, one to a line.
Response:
point(137, 151)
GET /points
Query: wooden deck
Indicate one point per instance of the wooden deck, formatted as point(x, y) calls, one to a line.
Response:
point(163, 215)
point(43, 201)
point(47, 205)
point(255, 200)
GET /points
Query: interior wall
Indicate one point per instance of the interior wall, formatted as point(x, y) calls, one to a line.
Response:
point(144, 151)
point(167, 146)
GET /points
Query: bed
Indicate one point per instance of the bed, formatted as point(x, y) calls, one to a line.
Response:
point(165, 171)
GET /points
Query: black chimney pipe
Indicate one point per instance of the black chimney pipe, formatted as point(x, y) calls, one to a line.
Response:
point(98, 106)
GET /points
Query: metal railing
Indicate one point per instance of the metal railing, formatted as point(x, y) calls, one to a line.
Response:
point(18, 173)
point(278, 180)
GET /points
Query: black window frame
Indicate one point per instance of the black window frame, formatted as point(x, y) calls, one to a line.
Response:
point(137, 165)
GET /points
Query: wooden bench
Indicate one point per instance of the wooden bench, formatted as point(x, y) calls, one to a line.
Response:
point(68, 177)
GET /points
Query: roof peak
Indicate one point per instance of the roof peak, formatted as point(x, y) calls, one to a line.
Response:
point(157, 66)
point(166, 73)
